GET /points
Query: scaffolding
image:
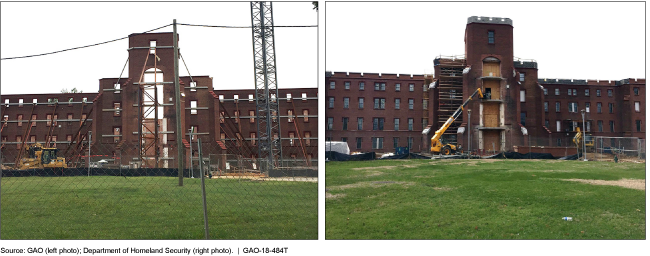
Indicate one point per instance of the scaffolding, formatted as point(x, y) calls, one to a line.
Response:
point(450, 93)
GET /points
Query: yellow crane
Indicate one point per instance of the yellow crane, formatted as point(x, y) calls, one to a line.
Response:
point(437, 146)
point(589, 142)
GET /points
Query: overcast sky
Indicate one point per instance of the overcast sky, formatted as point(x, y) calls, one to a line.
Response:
point(568, 40)
point(224, 54)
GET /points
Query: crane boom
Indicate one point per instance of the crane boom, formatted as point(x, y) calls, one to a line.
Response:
point(435, 140)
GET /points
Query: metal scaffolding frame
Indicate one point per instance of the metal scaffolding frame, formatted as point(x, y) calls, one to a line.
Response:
point(450, 93)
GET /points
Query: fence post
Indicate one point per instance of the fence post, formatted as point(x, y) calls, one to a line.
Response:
point(205, 205)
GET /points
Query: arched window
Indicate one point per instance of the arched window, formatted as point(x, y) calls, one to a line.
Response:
point(491, 67)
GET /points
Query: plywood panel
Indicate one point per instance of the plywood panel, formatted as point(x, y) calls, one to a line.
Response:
point(491, 115)
point(491, 67)
point(490, 137)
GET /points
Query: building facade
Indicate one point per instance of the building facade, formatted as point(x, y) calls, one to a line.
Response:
point(519, 109)
point(143, 103)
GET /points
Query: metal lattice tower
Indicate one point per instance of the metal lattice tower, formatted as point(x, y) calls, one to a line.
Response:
point(266, 88)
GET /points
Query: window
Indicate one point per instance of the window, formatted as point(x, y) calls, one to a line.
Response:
point(330, 123)
point(380, 86)
point(611, 126)
point(5, 118)
point(598, 93)
point(573, 107)
point(638, 125)
point(490, 37)
point(557, 91)
point(523, 118)
point(569, 92)
point(600, 125)
point(411, 87)
point(377, 143)
point(587, 106)
point(410, 140)
point(250, 98)
point(290, 115)
point(288, 97)
point(397, 101)
point(546, 106)
point(395, 142)
point(425, 88)
point(599, 107)
point(360, 103)
point(574, 124)
point(557, 106)
point(304, 96)
point(251, 114)
point(307, 140)
point(34, 120)
point(56, 116)
point(236, 98)
point(193, 110)
point(636, 91)
point(396, 121)
point(291, 136)
point(380, 103)
point(545, 91)
point(425, 104)
point(236, 114)
point(20, 102)
point(588, 126)
point(411, 103)
point(522, 76)
point(331, 102)
point(547, 124)
point(398, 87)
point(559, 142)
point(346, 102)
point(305, 114)
point(7, 102)
point(152, 44)
point(116, 131)
point(253, 137)
point(410, 120)
point(221, 97)
point(116, 106)
point(611, 108)
point(609, 92)
point(425, 123)
point(83, 117)
point(32, 138)
point(332, 85)
point(637, 106)
point(20, 120)
point(586, 92)
point(378, 124)
point(358, 143)
point(359, 123)
point(362, 86)
point(34, 100)
point(522, 96)
point(345, 123)
point(19, 139)
point(557, 124)
point(347, 85)
point(221, 117)
point(68, 137)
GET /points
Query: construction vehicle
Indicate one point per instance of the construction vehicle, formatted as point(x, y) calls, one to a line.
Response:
point(40, 157)
point(437, 145)
point(589, 141)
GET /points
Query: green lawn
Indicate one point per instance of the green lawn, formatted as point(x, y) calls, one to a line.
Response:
point(156, 208)
point(482, 199)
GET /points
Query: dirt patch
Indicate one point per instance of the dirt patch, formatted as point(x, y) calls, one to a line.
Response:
point(385, 167)
point(626, 183)
point(330, 196)
point(373, 173)
point(442, 188)
point(374, 184)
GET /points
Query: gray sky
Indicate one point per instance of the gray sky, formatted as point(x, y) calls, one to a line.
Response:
point(568, 40)
point(224, 54)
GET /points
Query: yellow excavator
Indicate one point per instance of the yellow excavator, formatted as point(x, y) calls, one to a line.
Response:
point(438, 146)
point(589, 142)
point(40, 157)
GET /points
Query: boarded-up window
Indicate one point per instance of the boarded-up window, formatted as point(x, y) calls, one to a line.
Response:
point(491, 69)
point(491, 115)
point(305, 114)
point(492, 89)
point(251, 113)
point(20, 120)
point(491, 140)
point(307, 136)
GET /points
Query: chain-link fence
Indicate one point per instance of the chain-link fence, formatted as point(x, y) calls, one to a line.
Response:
point(123, 191)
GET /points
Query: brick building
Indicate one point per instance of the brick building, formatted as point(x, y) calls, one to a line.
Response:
point(115, 112)
point(519, 108)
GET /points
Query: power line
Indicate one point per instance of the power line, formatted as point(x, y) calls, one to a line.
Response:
point(81, 47)
point(215, 26)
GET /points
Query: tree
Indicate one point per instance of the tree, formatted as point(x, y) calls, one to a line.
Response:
point(315, 3)
point(73, 90)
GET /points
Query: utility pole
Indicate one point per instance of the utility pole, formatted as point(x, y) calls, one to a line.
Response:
point(584, 136)
point(177, 92)
point(469, 132)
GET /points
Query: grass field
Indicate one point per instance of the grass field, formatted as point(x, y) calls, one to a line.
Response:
point(156, 208)
point(484, 199)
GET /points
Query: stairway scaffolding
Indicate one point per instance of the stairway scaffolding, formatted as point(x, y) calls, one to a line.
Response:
point(450, 94)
